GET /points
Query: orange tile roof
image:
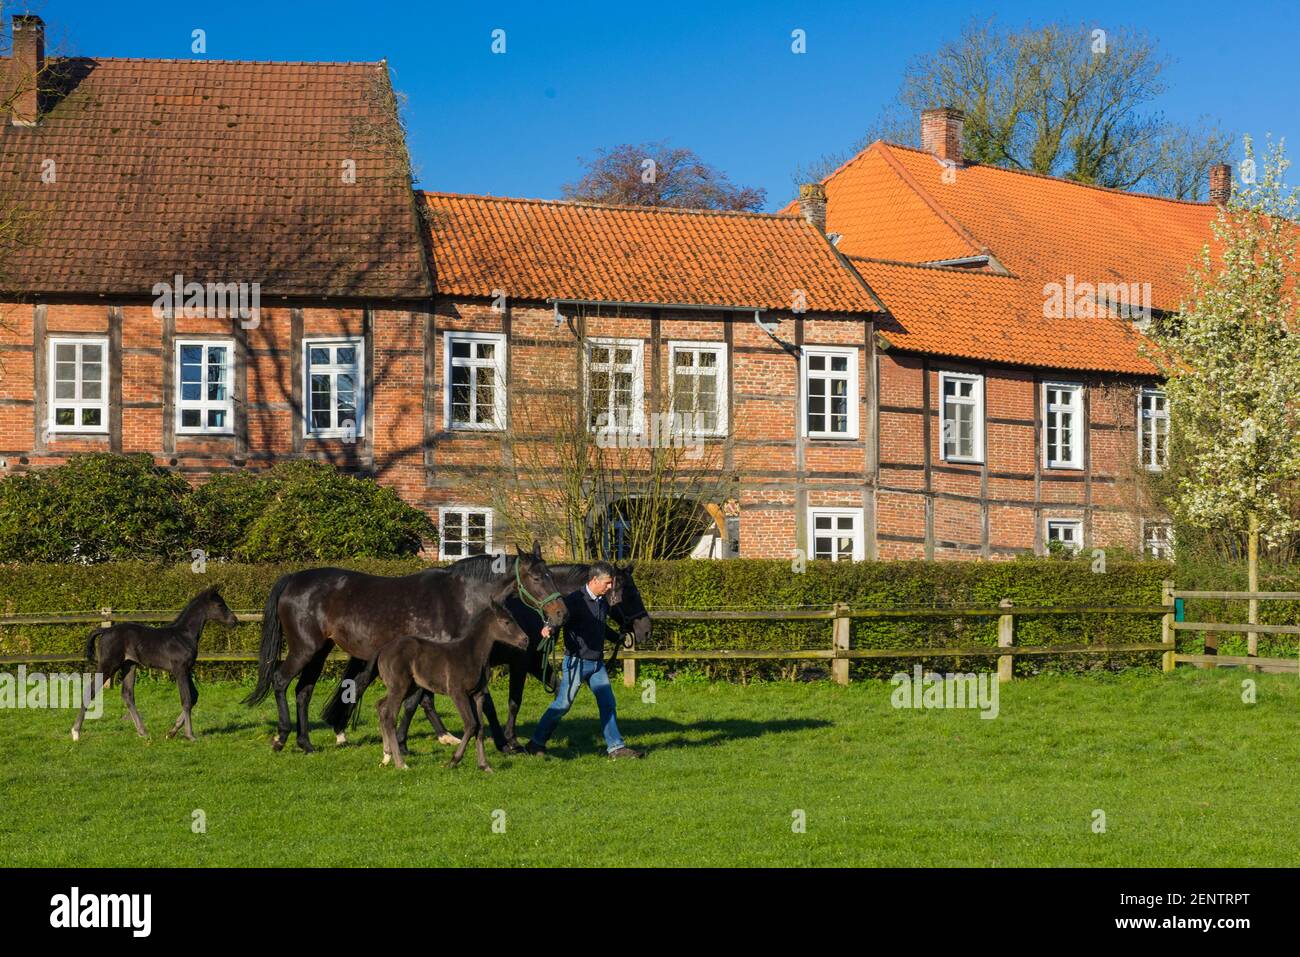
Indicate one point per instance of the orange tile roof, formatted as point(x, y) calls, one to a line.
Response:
point(1049, 228)
point(548, 249)
point(996, 318)
point(223, 171)
point(896, 204)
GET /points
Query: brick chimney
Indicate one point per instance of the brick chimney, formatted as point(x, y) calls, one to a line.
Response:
point(812, 203)
point(25, 65)
point(1220, 183)
point(941, 132)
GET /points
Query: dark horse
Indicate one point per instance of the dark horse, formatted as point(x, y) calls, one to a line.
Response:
point(172, 648)
point(321, 607)
point(456, 668)
point(626, 608)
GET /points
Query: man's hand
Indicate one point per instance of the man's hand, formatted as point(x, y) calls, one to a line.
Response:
point(546, 631)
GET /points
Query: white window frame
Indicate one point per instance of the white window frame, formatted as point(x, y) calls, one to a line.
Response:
point(465, 510)
point(1076, 408)
point(204, 405)
point(1077, 523)
point(977, 419)
point(852, 393)
point(78, 403)
point(1145, 420)
point(335, 431)
point(637, 424)
point(498, 365)
point(720, 349)
point(1169, 539)
point(859, 542)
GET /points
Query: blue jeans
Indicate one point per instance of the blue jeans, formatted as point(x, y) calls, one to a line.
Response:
point(573, 673)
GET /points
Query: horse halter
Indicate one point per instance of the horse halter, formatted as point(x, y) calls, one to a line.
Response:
point(525, 597)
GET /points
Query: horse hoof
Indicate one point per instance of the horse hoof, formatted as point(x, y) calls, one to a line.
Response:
point(340, 738)
point(486, 769)
point(277, 745)
point(387, 757)
point(306, 748)
point(448, 739)
point(76, 735)
point(171, 734)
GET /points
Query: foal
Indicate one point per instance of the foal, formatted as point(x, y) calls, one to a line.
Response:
point(173, 648)
point(456, 668)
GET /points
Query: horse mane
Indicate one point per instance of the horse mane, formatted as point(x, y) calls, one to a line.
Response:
point(475, 568)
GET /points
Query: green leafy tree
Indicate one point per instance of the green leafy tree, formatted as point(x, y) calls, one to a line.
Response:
point(1233, 366)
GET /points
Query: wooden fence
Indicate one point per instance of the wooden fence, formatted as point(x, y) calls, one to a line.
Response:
point(1212, 629)
point(839, 652)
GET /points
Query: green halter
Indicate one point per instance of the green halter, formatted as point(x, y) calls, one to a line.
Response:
point(547, 645)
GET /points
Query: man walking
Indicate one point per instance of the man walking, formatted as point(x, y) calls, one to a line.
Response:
point(584, 662)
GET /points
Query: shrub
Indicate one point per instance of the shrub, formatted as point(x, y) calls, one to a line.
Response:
point(321, 514)
point(96, 507)
point(223, 509)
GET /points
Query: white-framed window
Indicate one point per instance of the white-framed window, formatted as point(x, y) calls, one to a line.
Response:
point(830, 392)
point(698, 386)
point(835, 533)
point(464, 531)
point(615, 381)
point(78, 384)
point(1063, 425)
point(334, 387)
point(475, 380)
point(204, 401)
point(1153, 429)
point(1158, 540)
point(1067, 531)
point(961, 413)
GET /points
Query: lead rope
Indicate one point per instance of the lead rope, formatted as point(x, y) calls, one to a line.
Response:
point(546, 645)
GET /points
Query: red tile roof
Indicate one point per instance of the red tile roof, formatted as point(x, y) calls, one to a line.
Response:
point(222, 171)
point(546, 249)
point(898, 204)
point(996, 318)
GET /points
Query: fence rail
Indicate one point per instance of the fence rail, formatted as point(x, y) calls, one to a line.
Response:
point(1212, 629)
point(839, 654)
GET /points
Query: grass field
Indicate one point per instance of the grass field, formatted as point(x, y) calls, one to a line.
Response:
point(1186, 773)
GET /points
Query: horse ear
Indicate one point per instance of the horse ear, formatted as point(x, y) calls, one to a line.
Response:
point(537, 549)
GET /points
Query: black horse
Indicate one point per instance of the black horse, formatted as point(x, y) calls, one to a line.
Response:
point(173, 648)
point(321, 607)
point(625, 606)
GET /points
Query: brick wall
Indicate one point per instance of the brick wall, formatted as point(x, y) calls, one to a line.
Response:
point(916, 506)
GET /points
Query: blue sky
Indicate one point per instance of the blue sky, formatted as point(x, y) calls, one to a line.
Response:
point(718, 78)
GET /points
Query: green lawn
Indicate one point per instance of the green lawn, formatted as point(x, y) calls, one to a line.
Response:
point(1185, 772)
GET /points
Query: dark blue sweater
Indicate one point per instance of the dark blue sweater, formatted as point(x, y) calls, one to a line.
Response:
point(585, 631)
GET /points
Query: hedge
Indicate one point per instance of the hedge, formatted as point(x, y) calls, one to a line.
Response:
point(686, 584)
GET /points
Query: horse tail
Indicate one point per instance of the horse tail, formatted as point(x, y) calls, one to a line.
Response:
point(337, 711)
point(272, 639)
point(90, 642)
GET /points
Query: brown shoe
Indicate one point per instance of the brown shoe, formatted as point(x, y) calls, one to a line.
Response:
point(626, 752)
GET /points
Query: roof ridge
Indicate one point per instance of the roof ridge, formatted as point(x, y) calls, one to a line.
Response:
point(217, 62)
point(934, 268)
point(587, 204)
point(1060, 179)
point(950, 220)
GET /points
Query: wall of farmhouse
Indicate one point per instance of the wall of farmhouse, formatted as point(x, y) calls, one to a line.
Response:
point(997, 508)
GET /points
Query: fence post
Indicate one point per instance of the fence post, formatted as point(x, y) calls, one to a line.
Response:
point(1006, 638)
point(1167, 625)
point(107, 615)
point(840, 642)
point(629, 664)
